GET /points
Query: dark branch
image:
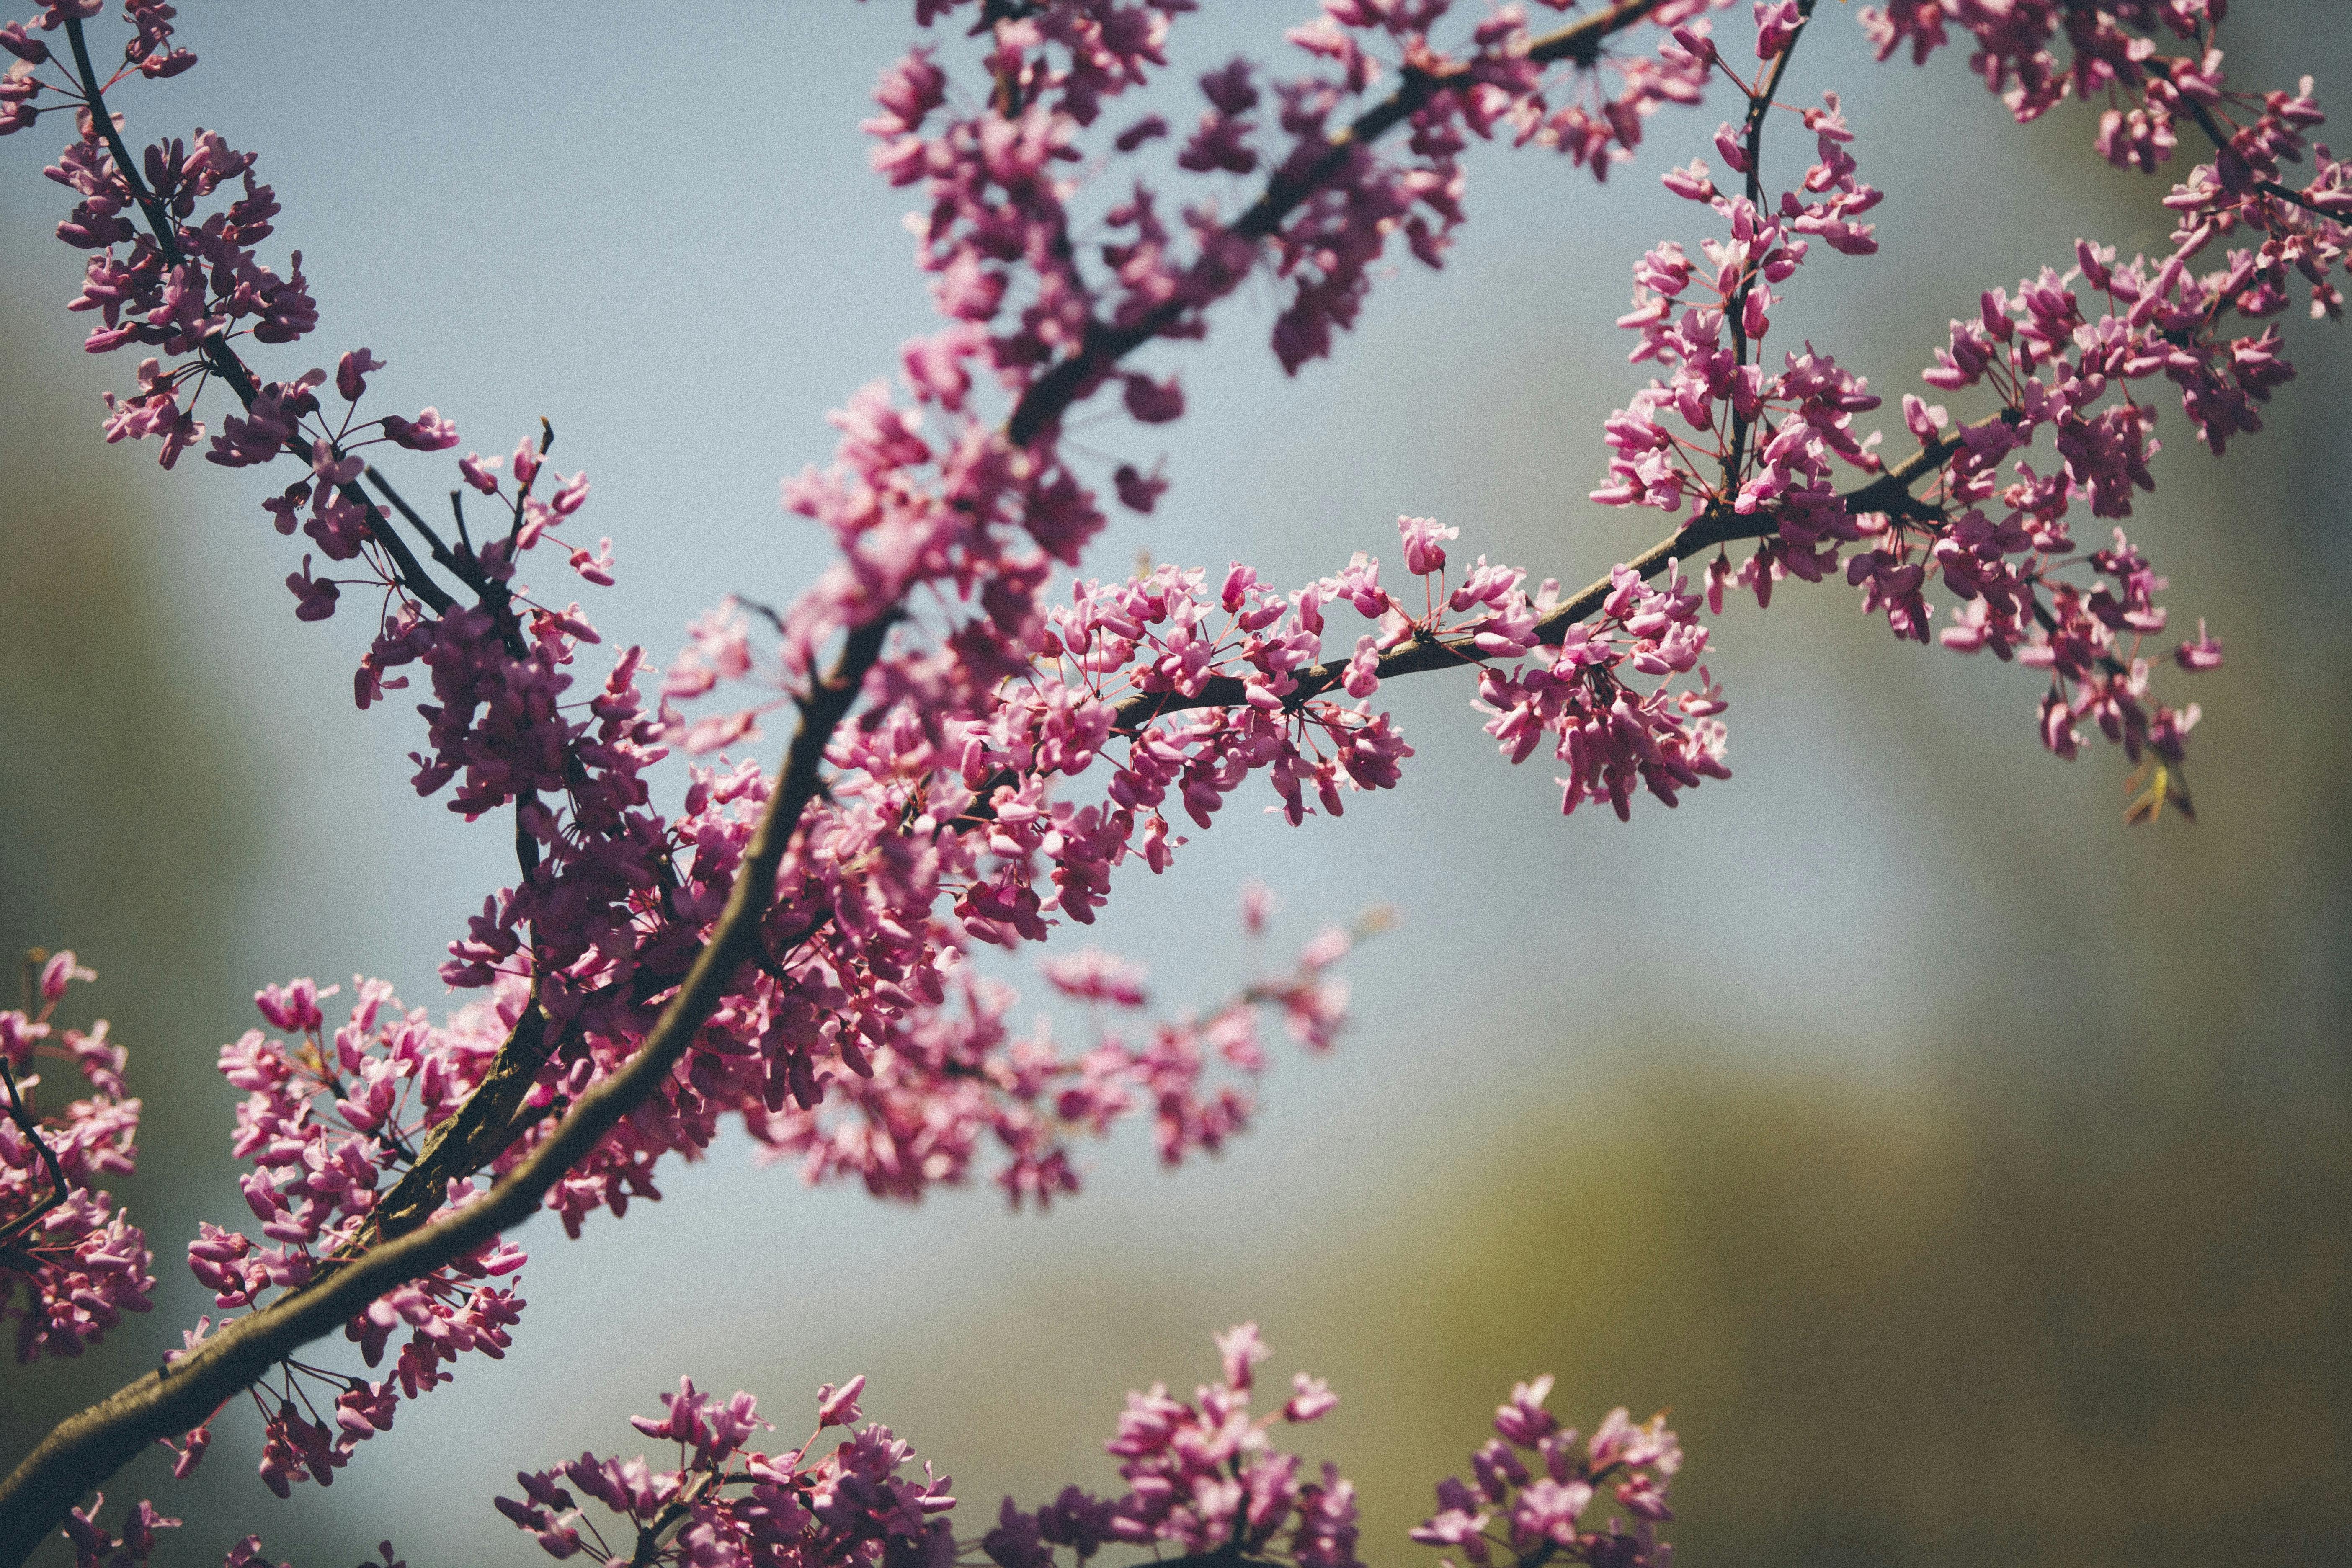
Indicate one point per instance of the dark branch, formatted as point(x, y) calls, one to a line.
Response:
point(1889, 492)
point(477, 1134)
point(1736, 309)
point(2223, 142)
point(217, 355)
point(470, 576)
point(84, 1450)
point(1052, 393)
point(22, 1115)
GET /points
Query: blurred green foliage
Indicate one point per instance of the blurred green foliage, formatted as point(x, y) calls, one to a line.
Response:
point(130, 812)
point(1936, 1323)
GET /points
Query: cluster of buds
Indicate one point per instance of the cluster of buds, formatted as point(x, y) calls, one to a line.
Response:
point(1532, 1491)
point(331, 1124)
point(71, 1263)
point(724, 1506)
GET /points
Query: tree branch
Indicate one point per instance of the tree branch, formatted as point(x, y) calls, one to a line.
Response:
point(216, 352)
point(2158, 65)
point(1735, 313)
point(22, 1115)
point(83, 1450)
point(476, 1133)
point(1718, 524)
point(1052, 393)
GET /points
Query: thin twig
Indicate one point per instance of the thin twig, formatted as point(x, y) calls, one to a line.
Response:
point(1736, 309)
point(1718, 524)
point(469, 575)
point(216, 352)
point(2223, 142)
point(22, 1115)
point(490, 594)
point(1052, 393)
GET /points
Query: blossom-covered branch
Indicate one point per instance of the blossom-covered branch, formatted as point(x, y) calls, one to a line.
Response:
point(283, 309)
point(185, 1394)
point(796, 951)
point(1338, 162)
point(71, 1263)
point(474, 1138)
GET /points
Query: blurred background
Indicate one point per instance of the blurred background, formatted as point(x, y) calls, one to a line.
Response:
point(1971, 1176)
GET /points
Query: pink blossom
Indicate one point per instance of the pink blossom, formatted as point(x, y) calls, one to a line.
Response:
point(1424, 550)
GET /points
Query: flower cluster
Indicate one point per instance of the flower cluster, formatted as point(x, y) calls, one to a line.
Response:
point(1762, 444)
point(1201, 1477)
point(1249, 662)
point(1597, 124)
point(996, 237)
point(1612, 735)
point(71, 1263)
point(727, 1506)
point(328, 1124)
point(958, 1076)
point(2050, 361)
point(95, 1546)
point(999, 180)
point(2113, 52)
point(2054, 362)
point(1530, 1490)
point(181, 294)
point(1504, 83)
point(2005, 546)
point(2302, 231)
point(2106, 58)
point(1164, 641)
